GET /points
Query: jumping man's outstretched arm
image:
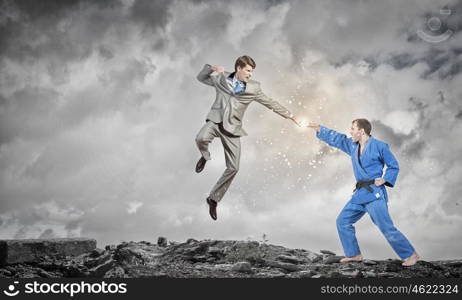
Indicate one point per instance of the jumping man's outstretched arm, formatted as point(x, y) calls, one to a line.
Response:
point(275, 106)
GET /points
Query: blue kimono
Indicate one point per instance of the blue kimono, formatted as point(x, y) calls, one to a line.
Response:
point(366, 167)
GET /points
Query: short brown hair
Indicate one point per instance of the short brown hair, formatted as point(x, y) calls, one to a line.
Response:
point(363, 124)
point(244, 60)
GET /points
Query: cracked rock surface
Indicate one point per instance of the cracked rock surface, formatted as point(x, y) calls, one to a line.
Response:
point(220, 259)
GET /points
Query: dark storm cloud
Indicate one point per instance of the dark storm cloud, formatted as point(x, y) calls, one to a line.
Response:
point(404, 60)
point(445, 64)
point(415, 149)
point(26, 22)
point(151, 14)
point(27, 113)
point(459, 115)
point(73, 224)
point(32, 36)
point(408, 145)
point(396, 140)
point(106, 52)
point(361, 41)
point(56, 8)
point(444, 60)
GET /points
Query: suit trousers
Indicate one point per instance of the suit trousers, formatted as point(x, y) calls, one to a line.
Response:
point(378, 211)
point(232, 147)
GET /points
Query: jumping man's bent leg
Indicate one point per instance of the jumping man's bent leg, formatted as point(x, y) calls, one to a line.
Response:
point(232, 147)
point(207, 133)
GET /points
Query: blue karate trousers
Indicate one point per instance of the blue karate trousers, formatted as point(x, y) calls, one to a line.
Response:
point(378, 211)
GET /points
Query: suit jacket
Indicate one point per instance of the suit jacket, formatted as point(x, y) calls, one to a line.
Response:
point(229, 108)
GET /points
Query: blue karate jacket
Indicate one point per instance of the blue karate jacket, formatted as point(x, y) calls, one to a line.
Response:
point(368, 166)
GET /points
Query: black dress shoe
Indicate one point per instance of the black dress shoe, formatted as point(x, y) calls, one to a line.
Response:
point(200, 164)
point(212, 208)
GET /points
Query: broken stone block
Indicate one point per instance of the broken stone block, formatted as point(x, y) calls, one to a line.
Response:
point(332, 259)
point(306, 274)
point(289, 259)
point(32, 250)
point(243, 267)
point(100, 270)
point(328, 252)
point(117, 272)
point(285, 266)
point(162, 241)
point(191, 241)
point(369, 262)
point(110, 247)
point(96, 252)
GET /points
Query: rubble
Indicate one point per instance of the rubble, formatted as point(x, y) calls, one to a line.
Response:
point(216, 259)
point(30, 250)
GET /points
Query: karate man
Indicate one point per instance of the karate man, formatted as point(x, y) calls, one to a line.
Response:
point(234, 92)
point(368, 156)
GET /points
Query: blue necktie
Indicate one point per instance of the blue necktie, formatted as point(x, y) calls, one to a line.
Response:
point(238, 87)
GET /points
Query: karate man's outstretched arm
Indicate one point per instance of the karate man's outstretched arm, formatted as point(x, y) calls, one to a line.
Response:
point(391, 174)
point(333, 138)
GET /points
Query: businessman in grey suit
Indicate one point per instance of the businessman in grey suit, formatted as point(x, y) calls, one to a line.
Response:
point(234, 92)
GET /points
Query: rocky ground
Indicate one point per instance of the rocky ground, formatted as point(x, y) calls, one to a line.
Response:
point(220, 259)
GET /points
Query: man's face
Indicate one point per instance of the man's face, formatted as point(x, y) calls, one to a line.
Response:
point(244, 74)
point(355, 132)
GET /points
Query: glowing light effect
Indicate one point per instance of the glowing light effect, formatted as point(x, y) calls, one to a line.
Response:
point(303, 123)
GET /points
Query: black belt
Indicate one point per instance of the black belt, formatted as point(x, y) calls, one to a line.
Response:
point(364, 184)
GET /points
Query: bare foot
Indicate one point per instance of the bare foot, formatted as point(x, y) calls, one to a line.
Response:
point(411, 260)
point(358, 257)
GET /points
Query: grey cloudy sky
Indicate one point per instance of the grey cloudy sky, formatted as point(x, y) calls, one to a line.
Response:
point(99, 108)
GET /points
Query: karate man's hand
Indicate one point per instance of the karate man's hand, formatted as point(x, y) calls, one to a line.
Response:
point(379, 181)
point(315, 126)
point(218, 69)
